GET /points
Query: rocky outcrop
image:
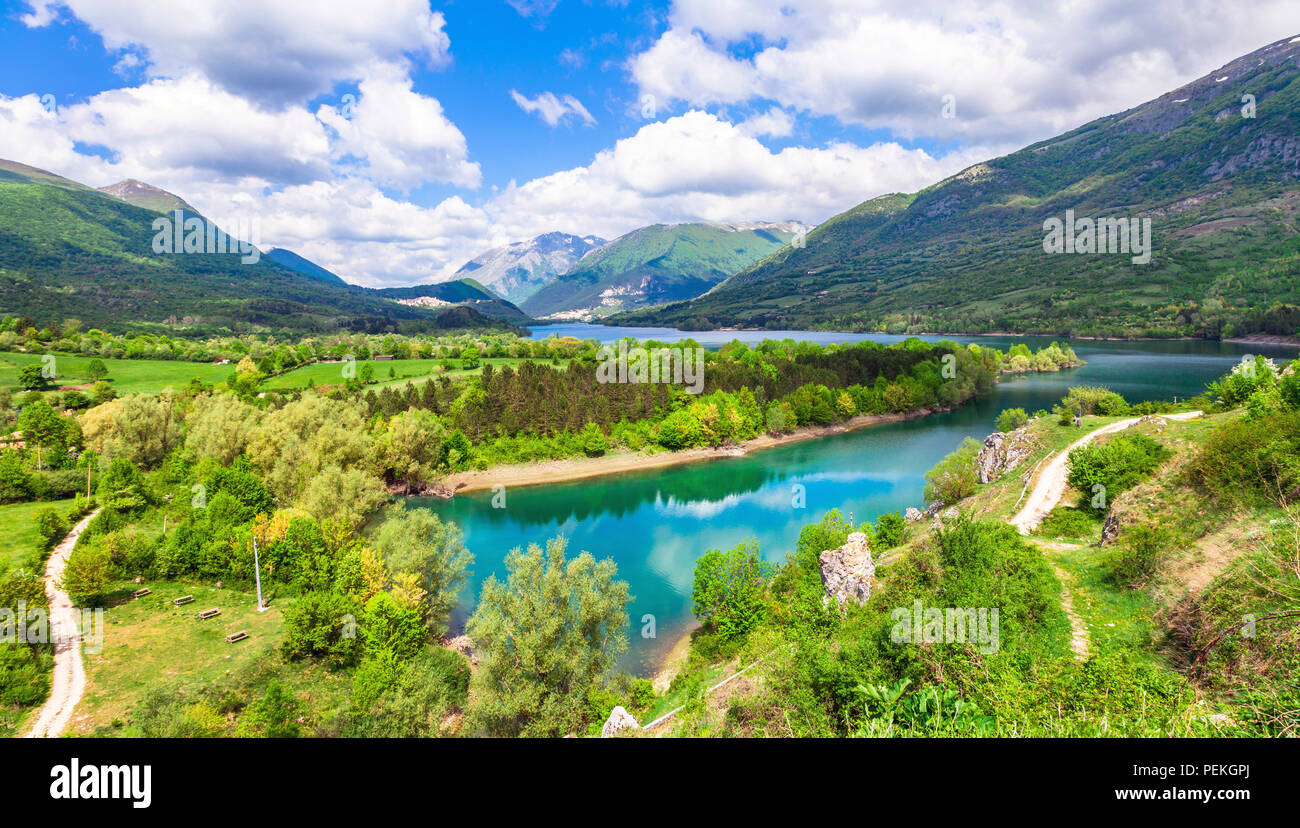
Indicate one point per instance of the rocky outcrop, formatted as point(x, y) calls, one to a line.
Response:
point(913, 514)
point(848, 572)
point(1110, 527)
point(619, 721)
point(1001, 453)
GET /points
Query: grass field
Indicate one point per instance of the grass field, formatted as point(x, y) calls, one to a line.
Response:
point(127, 376)
point(18, 529)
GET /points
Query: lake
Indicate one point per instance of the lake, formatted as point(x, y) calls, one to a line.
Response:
point(656, 523)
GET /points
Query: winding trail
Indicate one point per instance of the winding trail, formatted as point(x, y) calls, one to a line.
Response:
point(1052, 482)
point(69, 673)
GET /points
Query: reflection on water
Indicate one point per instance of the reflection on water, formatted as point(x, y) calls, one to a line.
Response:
point(656, 523)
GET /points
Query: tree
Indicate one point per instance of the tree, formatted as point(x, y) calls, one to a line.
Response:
point(728, 589)
point(274, 716)
point(410, 447)
point(220, 426)
point(956, 476)
point(418, 543)
point(594, 442)
point(140, 428)
point(86, 576)
point(347, 497)
point(549, 634)
point(32, 378)
point(96, 369)
point(322, 625)
point(1011, 419)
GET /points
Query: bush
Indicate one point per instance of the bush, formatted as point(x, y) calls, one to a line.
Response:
point(1089, 399)
point(955, 477)
point(1253, 461)
point(594, 442)
point(729, 587)
point(322, 625)
point(1102, 471)
point(50, 527)
point(1133, 561)
point(1068, 522)
point(1012, 419)
point(888, 531)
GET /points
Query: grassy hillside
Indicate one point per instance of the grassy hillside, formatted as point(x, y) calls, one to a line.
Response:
point(1222, 192)
point(69, 251)
point(655, 264)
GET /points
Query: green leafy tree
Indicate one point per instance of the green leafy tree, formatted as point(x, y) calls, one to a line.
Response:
point(417, 542)
point(322, 625)
point(729, 587)
point(96, 369)
point(955, 477)
point(551, 632)
point(32, 378)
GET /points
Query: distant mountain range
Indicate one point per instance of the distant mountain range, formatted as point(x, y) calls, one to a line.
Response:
point(465, 292)
point(660, 263)
point(517, 271)
point(1214, 166)
point(68, 250)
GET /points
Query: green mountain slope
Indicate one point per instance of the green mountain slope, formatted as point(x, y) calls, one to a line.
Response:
point(466, 292)
point(306, 267)
point(67, 250)
point(1221, 190)
point(660, 263)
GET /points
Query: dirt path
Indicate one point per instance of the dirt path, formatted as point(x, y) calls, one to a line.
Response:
point(1052, 481)
point(69, 673)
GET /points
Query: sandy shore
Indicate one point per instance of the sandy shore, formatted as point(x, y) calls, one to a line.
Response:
point(578, 468)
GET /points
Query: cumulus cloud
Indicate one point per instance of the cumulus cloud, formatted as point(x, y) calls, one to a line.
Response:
point(1019, 70)
point(272, 53)
point(697, 166)
point(552, 108)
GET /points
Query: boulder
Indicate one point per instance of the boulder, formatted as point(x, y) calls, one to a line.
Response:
point(1001, 453)
point(912, 515)
point(848, 572)
point(619, 720)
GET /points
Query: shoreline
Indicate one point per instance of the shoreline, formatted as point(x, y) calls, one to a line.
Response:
point(1248, 339)
point(581, 468)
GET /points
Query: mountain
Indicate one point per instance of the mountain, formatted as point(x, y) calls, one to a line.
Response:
point(70, 251)
point(306, 267)
point(517, 271)
point(660, 263)
point(466, 292)
point(147, 196)
point(1217, 173)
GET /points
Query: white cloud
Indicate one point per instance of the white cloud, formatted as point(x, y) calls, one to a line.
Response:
point(697, 166)
point(403, 137)
point(775, 122)
point(274, 53)
point(1019, 69)
point(551, 108)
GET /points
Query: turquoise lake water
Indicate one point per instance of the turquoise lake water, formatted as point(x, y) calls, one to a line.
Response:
point(656, 523)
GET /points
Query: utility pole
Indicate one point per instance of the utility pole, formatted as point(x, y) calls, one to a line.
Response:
point(257, 573)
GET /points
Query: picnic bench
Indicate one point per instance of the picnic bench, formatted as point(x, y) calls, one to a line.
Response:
point(236, 636)
point(140, 593)
point(184, 599)
point(209, 613)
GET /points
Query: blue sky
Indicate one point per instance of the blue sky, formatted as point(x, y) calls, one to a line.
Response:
point(394, 141)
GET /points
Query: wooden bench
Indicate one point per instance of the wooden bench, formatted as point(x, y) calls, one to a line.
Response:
point(140, 593)
point(184, 599)
point(236, 636)
point(209, 613)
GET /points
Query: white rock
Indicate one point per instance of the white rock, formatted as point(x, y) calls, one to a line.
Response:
point(619, 720)
point(848, 572)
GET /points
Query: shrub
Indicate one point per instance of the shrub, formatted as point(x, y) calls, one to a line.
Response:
point(1113, 466)
point(1133, 560)
point(1012, 419)
point(729, 587)
point(888, 531)
point(1252, 461)
point(1068, 522)
point(50, 527)
point(1090, 399)
point(955, 477)
point(322, 625)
